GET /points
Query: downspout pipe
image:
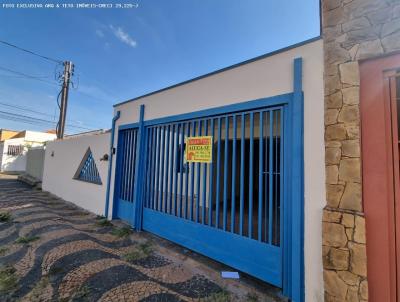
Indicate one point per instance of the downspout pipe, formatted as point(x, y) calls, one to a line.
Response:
point(114, 120)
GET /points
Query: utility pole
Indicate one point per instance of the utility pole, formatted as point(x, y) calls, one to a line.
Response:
point(68, 72)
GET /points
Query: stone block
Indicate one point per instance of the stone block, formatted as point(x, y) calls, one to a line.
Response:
point(352, 294)
point(349, 73)
point(396, 11)
point(331, 116)
point(334, 235)
point(348, 220)
point(391, 42)
point(380, 16)
point(359, 231)
point(335, 132)
point(331, 4)
point(355, 24)
point(351, 148)
point(335, 286)
point(334, 101)
point(333, 144)
point(331, 216)
point(352, 131)
point(332, 84)
point(332, 174)
point(333, 17)
point(353, 52)
point(338, 259)
point(358, 259)
point(359, 36)
point(334, 194)
point(349, 278)
point(331, 33)
point(359, 8)
point(332, 156)
point(351, 199)
point(349, 114)
point(364, 290)
point(349, 233)
point(369, 49)
point(349, 170)
point(335, 54)
point(390, 27)
point(351, 95)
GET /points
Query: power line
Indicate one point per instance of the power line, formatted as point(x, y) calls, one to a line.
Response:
point(27, 109)
point(38, 78)
point(34, 120)
point(31, 52)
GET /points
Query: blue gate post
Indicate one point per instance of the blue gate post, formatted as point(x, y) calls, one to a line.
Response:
point(139, 169)
point(295, 287)
point(114, 120)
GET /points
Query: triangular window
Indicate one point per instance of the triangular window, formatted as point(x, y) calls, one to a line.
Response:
point(87, 170)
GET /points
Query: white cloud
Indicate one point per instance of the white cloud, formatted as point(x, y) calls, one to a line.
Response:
point(99, 33)
point(123, 36)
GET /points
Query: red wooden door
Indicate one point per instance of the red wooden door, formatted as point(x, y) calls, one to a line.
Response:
point(380, 174)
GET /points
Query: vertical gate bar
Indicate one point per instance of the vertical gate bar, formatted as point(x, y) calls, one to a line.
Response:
point(162, 168)
point(218, 174)
point(125, 167)
point(120, 184)
point(176, 170)
point(260, 174)
point(224, 218)
point(233, 191)
point(242, 145)
point(159, 142)
point(133, 172)
point(203, 207)
point(187, 176)
point(198, 175)
point(281, 173)
point(148, 168)
point(210, 193)
point(251, 175)
point(192, 176)
point(181, 168)
point(276, 175)
point(132, 158)
point(165, 208)
point(129, 164)
point(153, 166)
point(171, 175)
point(157, 174)
point(271, 176)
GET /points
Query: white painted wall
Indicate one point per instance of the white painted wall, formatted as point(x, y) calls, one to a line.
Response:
point(35, 162)
point(265, 77)
point(60, 169)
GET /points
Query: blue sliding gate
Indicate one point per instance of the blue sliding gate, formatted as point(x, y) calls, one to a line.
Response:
point(245, 207)
point(228, 209)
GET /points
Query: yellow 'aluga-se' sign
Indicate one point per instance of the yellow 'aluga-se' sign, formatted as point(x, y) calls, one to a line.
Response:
point(199, 149)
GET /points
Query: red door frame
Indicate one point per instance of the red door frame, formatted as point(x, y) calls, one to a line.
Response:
point(381, 187)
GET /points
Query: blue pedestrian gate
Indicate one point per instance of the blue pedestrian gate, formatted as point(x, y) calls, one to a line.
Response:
point(245, 207)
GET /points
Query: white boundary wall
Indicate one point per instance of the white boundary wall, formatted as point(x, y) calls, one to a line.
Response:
point(35, 162)
point(60, 169)
point(268, 76)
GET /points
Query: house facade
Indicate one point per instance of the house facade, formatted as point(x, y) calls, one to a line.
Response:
point(255, 201)
point(13, 148)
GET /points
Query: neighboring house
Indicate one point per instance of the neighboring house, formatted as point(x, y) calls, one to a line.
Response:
point(13, 148)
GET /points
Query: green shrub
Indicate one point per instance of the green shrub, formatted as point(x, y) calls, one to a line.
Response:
point(27, 239)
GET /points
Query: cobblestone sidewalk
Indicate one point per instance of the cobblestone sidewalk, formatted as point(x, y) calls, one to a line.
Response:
point(51, 250)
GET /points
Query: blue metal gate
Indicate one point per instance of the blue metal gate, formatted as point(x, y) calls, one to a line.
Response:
point(245, 208)
point(230, 208)
point(124, 205)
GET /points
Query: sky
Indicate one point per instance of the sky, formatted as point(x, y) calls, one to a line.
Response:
point(120, 53)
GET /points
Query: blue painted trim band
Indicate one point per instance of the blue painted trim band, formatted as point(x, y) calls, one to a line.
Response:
point(224, 69)
point(114, 120)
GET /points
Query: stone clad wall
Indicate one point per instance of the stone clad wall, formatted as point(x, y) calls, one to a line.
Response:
point(352, 30)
